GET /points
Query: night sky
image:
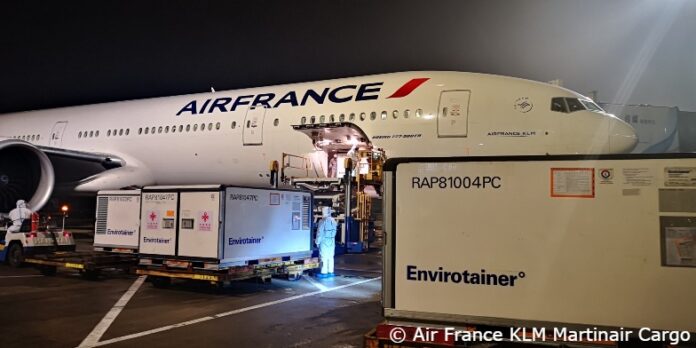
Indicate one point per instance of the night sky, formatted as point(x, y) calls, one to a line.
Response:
point(71, 53)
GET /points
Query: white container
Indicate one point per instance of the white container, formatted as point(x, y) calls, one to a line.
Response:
point(226, 225)
point(117, 226)
point(542, 241)
point(262, 223)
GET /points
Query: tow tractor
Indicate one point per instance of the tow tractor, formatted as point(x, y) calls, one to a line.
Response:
point(33, 239)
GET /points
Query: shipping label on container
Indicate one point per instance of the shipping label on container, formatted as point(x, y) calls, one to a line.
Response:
point(204, 220)
point(573, 182)
point(680, 176)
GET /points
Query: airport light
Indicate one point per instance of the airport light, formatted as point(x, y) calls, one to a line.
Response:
point(64, 209)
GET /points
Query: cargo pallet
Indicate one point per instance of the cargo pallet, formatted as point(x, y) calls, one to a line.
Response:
point(162, 271)
point(90, 264)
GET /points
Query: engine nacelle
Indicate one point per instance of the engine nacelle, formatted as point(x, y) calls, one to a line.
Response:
point(26, 173)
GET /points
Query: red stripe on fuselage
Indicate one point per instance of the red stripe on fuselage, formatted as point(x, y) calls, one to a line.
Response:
point(408, 87)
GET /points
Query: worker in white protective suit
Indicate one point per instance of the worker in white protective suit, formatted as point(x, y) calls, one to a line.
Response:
point(326, 242)
point(18, 215)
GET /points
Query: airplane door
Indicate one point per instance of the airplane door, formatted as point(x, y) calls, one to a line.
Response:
point(453, 114)
point(57, 133)
point(253, 126)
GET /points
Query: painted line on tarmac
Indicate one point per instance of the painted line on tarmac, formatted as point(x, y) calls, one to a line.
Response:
point(318, 285)
point(23, 276)
point(93, 338)
point(357, 270)
point(225, 314)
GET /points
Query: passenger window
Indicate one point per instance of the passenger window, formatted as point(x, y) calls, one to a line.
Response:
point(120, 131)
point(558, 105)
point(217, 126)
point(419, 113)
point(362, 116)
point(195, 127)
point(352, 116)
point(303, 120)
point(38, 136)
point(166, 129)
point(406, 113)
point(275, 122)
point(96, 134)
point(210, 126)
point(234, 124)
point(373, 116)
point(332, 119)
point(202, 127)
point(341, 118)
point(79, 135)
point(152, 130)
point(181, 128)
point(322, 118)
point(312, 119)
point(159, 130)
point(91, 134)
point(248, 123)
point(188, 127)
point(108, 133)
point(395, 114)
point(127, 131)
point(383, 115)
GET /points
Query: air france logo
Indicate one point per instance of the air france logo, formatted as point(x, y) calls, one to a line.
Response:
point(523, 105)
point(340, 94)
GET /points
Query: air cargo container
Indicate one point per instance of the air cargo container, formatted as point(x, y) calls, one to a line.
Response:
point(541, 242)
point(216, 228)
point(117, 226)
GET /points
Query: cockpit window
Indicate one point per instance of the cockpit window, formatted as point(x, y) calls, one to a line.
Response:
point(590, 105)
point(559, 105)
point(574, 104)
point(566, 105)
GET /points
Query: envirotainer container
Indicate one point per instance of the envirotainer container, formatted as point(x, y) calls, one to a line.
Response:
point(226, 224)
point(607, 241)
point(117, 223)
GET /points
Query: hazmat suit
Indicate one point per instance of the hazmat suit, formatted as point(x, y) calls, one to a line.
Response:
point(326, 242)
point(18, 215)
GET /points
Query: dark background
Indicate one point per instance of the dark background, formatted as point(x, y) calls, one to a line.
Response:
point(72, 52)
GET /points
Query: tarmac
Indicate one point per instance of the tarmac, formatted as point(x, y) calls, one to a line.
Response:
point(124, 310)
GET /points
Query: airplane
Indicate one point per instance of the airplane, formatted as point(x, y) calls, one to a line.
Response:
point(230, 137)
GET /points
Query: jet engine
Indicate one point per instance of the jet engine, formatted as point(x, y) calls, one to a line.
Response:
point(26, 173)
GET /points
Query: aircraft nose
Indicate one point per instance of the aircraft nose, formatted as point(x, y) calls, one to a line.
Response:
point(622, 137)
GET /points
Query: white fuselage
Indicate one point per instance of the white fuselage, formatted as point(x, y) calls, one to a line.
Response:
point(502, 116)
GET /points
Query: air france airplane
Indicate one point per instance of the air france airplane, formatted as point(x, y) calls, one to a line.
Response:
point(230, 137)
